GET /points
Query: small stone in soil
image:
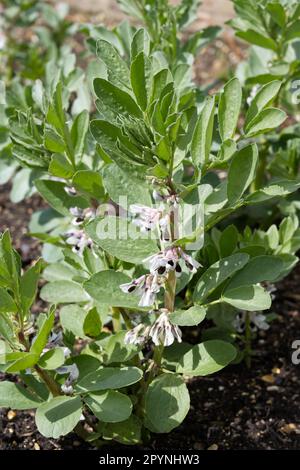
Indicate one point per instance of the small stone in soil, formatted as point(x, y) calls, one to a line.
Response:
point(213, 447)
point(11, 415)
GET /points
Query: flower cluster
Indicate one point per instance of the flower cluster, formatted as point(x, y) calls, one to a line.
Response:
point(257, 322)
point(162, 332)
point(160, 265)
point(147, 286)
point(149, 218)
point(77, 236)
point(169, 259)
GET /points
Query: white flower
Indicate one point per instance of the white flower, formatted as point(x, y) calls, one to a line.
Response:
point(79, 240)
point(190, 262)
point(157, 196)
point(163, 262)
point(73, 372)
point(134, 286)
point(163, 332)
point(70, 190)
point(169, 260)
point(257, 321)
point(138, 335)
point(146, 217)
point(67, 389)
point(260, 322)
point(147, 286)
point(151, 288)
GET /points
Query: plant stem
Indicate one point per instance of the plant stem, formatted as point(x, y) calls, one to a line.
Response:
point(247, 340)
point(116, 319)
point(126, 319)
point(49, 381)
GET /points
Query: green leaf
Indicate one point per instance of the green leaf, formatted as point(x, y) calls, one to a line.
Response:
point(267, 120)
point(202, 136)
point(54, 193)
point(227, 150)
point(105, 288)
point(229, 109)
point(26, 361)
point(140, 43)
point(140, 75)
point(287, 229)
point(79, 132)
point(7, 328)
point(257, 39)
point(263, 99)
point(116, 66)
point(228, 240)
point(72, 319)
point(249, 298)
point(53, 141)
point(57, 272)
point(216, 274)
point(293, 31)
point(7, 304)
point(192, 316)
point(106, 134)
point(16, 397)
point(109, 378)
point(109, 406)
point(167, 403)
point(52, 359)
point(60, 166)
point(28, 285)
point(56, 115)
point(119, 183)
point(43, 334)
point(115, 100)
point(89, 182)
point(63, 292)
point(116, 350)
point(280, 189)
point(58, 416)
point(159, 82)
point(259, 269)
point(241, 172)
point(206, 358)
point(121, 239)
point(277, 13)
point(127, 432)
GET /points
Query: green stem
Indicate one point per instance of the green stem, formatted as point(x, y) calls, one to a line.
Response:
point(49, 381)
point(157, 356)
point(116, 319)
point(126, 319)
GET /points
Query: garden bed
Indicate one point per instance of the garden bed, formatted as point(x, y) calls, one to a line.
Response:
point(238, 408)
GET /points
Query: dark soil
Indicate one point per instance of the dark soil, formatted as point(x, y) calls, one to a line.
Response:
point(16, 217)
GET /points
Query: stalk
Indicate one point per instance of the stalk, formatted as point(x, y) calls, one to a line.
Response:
point(51, 384)
point(116, 319)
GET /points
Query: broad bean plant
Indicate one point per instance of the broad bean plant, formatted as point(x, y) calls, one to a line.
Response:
point(148, 233)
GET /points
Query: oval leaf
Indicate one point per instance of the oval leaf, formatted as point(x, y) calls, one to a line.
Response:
point(206, 358)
